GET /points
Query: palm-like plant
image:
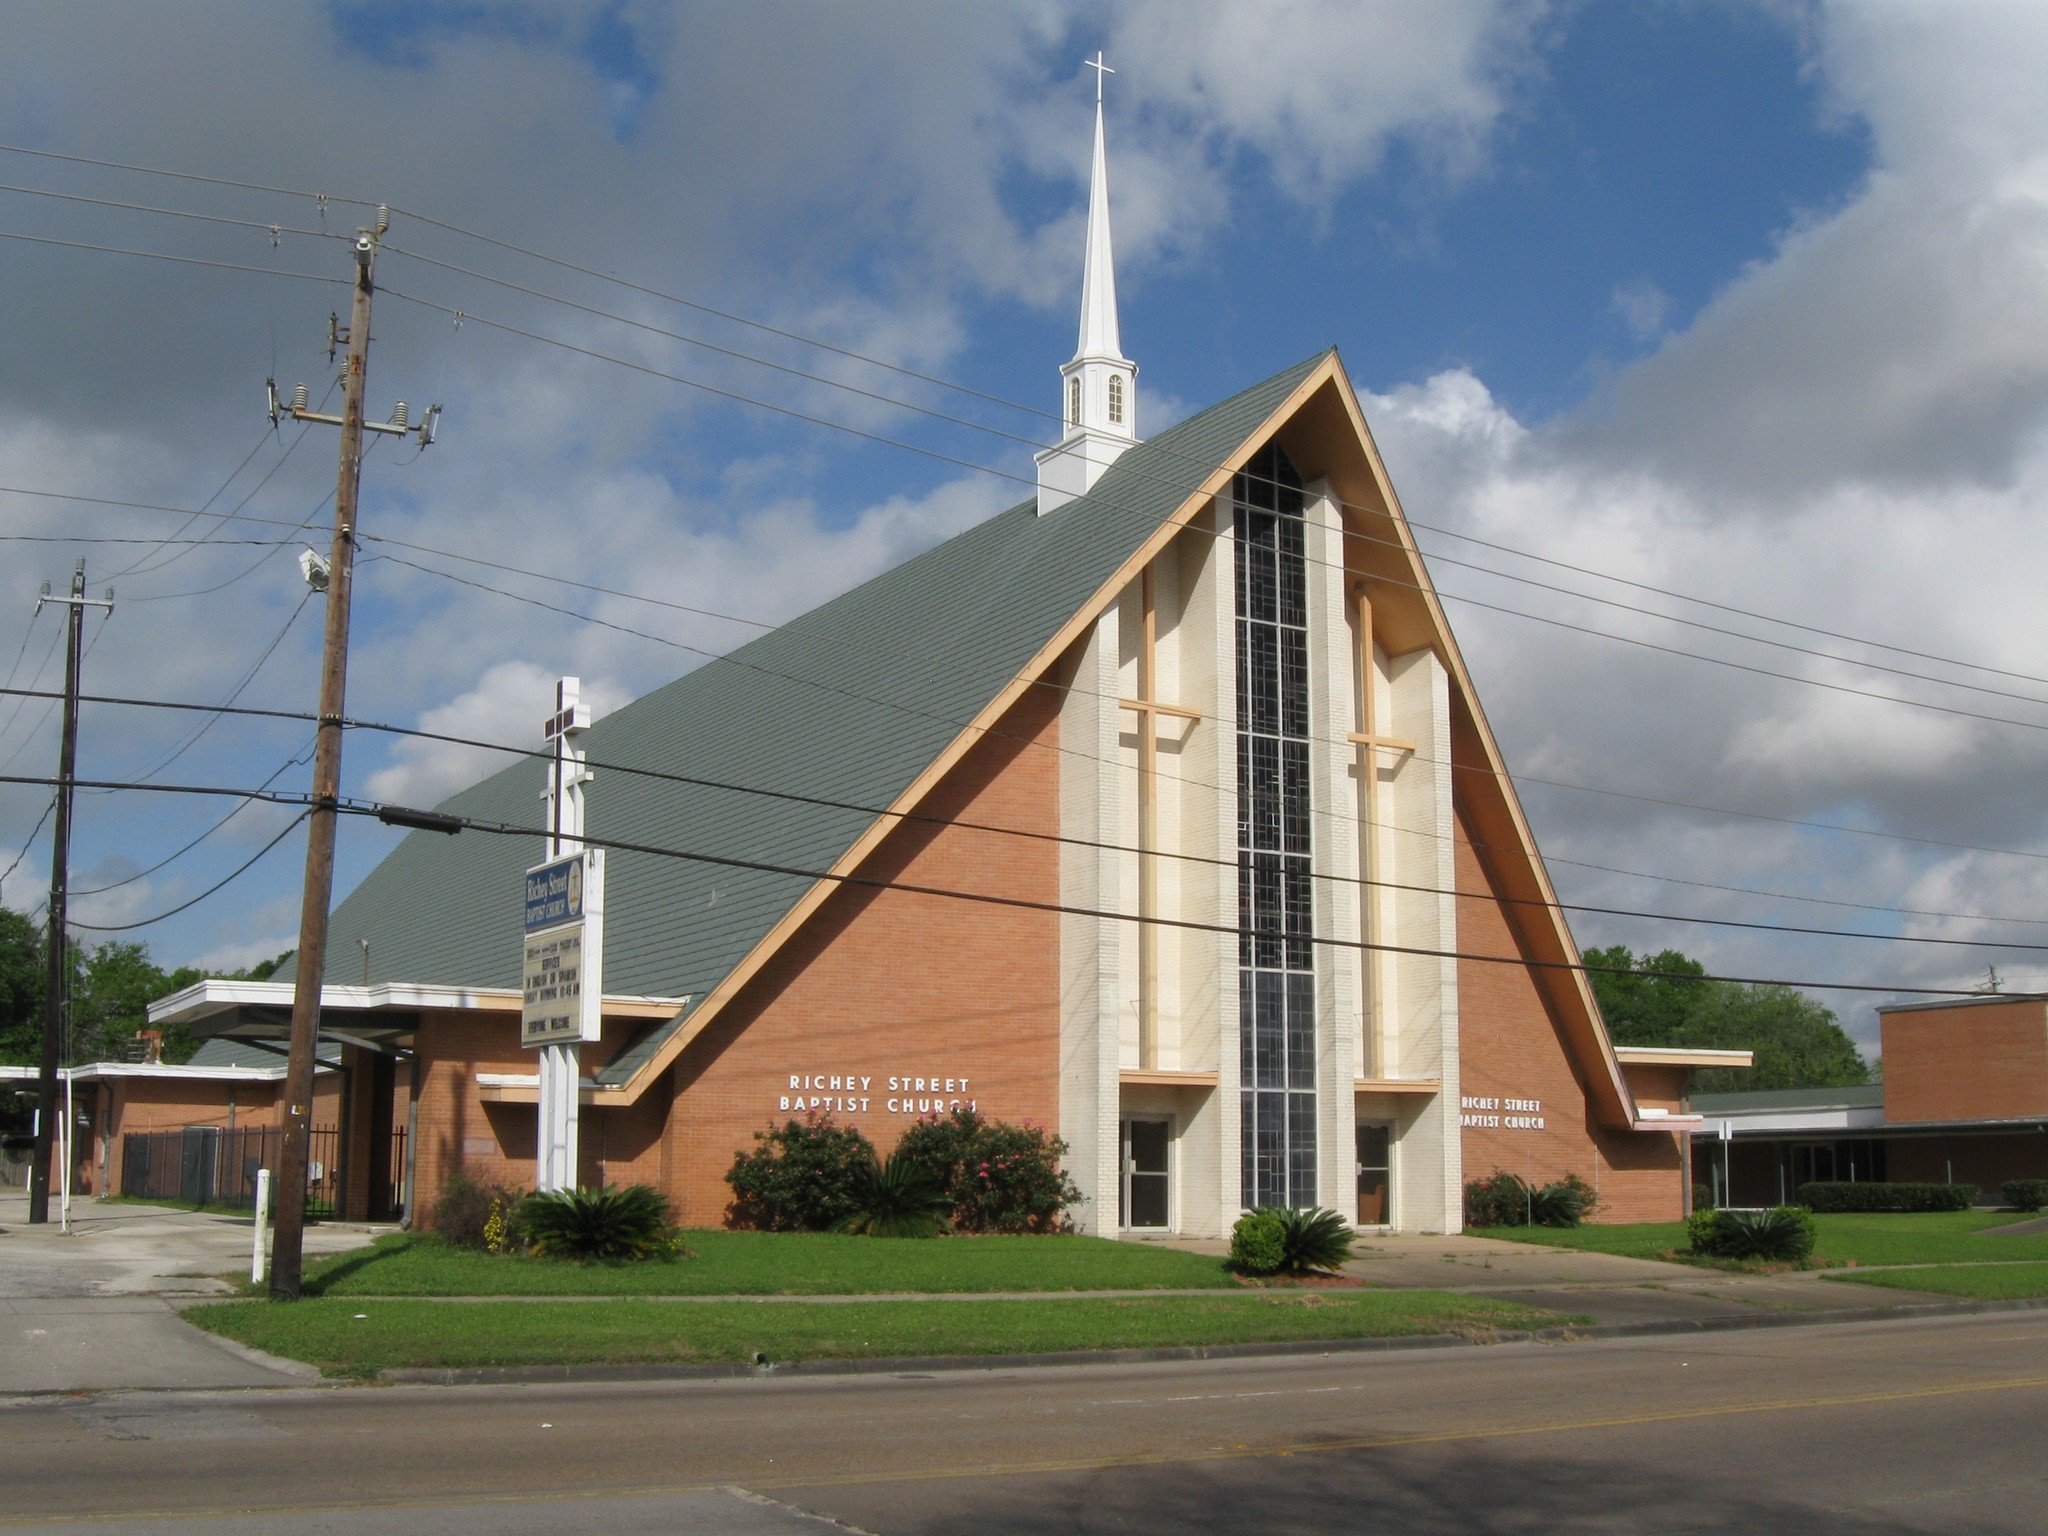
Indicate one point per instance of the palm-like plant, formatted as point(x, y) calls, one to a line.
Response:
point(1312, 1239)
point(624, 1223)
point(897, 1198)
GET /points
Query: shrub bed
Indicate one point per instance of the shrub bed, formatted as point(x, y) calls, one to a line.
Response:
point(2025, 1194)
point(1835, 1198)
point(1507, 1200)
point(1293, 1240)
point(813, 1175)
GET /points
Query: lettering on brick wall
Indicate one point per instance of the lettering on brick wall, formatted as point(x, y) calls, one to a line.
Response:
point(864, 1093)
point(1482, 1113)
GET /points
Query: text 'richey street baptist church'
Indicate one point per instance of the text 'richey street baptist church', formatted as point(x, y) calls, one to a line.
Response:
point(1159, 810)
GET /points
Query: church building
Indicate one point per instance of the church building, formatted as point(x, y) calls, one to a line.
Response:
point(1159, 809)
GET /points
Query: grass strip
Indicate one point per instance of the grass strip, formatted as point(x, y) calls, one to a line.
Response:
point(773, 1264)
point(1989, 1282)
point(1916, 1237)
point(348, 1338)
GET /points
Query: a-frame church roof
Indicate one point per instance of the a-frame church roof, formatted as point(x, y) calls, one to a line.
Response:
point(860, 706)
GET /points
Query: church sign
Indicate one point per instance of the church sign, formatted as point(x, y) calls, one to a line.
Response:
point(564, 922)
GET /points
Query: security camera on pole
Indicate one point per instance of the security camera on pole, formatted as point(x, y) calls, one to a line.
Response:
point(562, 974)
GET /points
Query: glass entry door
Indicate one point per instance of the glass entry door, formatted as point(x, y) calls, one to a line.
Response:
point(1374, 1206)
point(1147, 1185)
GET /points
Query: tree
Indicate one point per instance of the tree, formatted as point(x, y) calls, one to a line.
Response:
point(21, 990)
point(1798, 1042)
point(111, 985)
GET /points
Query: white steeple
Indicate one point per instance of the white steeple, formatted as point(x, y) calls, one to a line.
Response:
point(1098, 394)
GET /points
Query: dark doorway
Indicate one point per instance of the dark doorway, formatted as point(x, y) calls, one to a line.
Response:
point(1375, 1207)
point(1148, 1185)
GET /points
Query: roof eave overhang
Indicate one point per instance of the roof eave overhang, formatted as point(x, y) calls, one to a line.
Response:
point(1537, 920)
point(1190, 507)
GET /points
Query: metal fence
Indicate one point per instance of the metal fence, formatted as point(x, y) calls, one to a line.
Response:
point(208, 1165)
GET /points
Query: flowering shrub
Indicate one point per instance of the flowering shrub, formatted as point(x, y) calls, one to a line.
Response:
point(473, 1215)
point(998, 1177)
point(802, 1176)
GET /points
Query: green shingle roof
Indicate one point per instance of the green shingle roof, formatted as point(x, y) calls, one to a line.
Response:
point(850, 702)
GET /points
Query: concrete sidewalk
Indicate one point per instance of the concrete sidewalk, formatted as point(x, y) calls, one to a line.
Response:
point(88, 1311)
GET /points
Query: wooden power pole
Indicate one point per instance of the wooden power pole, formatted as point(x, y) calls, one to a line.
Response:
point(289, 1245)
point(57, 944)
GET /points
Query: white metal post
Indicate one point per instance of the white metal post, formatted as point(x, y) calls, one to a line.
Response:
point(561, 1065)
point(262, 1222)
point(70, 1132)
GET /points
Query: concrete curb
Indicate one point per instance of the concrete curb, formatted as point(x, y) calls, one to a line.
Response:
point(513, 1375)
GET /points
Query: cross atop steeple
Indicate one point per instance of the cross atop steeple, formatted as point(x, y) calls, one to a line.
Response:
point(1100, 69)
point(1099, 397)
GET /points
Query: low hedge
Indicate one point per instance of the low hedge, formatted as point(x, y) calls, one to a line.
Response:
point(1836, 1198)
point(2025, 1194)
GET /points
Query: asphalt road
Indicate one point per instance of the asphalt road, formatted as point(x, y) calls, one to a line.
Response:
point(1931, 1425)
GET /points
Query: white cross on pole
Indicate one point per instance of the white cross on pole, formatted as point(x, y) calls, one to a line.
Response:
point(1100, 69)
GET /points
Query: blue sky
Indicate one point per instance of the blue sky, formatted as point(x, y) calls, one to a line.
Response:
point(1740, 301)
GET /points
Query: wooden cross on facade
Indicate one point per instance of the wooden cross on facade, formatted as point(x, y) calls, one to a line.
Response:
point(1371, 745)
point(1148, 709)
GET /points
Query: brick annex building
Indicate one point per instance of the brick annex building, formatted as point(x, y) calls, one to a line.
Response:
point(1159, 809)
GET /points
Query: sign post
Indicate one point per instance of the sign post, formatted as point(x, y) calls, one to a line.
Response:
point(562, 973)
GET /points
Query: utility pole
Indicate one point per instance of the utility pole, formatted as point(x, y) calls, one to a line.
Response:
point(293, 1155)
point(60, 876)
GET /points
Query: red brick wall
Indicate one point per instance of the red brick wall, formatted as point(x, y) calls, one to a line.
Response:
point(1510, 1048)
point(1975, 1061)
point(882, 983)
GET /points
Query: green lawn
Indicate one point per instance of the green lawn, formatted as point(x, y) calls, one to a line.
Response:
point(332, 1334)
point(1930, 1237)
point(1988, 1282)
point(773, 1264)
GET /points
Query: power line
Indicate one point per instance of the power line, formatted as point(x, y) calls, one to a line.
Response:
point(1326, 814)
point(322, 199)
point(823, 802)
point(216, 887)
point(29, 842)
point(1032, 442)
point(442, 821)
point(143, 874)
point(183, 261)
point(932, 453)
point(272, 230)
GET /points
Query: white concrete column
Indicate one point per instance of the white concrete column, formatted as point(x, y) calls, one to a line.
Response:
point(1421, 1037)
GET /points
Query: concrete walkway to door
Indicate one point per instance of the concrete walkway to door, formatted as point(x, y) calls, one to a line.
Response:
point(87, 1310)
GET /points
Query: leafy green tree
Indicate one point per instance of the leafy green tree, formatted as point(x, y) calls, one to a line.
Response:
point(21, 990)
point(1798, 1042)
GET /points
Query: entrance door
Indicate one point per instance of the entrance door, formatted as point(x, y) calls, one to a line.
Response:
point(1374, 1207)
point(1147, 1185)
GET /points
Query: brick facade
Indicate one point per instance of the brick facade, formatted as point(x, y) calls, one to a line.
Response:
point(1973, 1061)
point(1512, 1053)
point(882, 984)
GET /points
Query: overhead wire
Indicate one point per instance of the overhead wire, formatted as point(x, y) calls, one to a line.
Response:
point(1448, 596)
point(989, 898)
point(211, 890)
point(142, 874)
point(29, 842)
point(608, 765)
point(932, 453)
point(322, 198)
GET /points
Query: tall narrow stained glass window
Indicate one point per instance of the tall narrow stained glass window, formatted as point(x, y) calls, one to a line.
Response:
point(1276, 976)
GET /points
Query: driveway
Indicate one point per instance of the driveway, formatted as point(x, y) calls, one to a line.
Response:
point(87, 1311)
